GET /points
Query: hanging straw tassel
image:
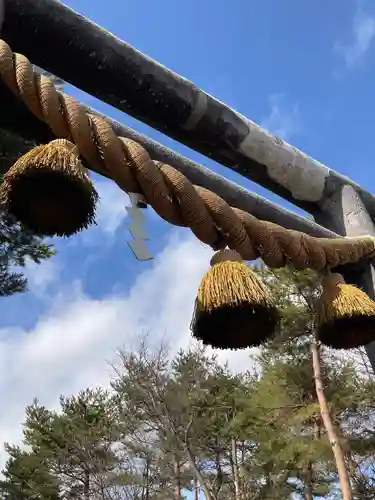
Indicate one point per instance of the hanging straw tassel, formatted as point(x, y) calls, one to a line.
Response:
point(345, 315)
point(233, 309)
point(48, 190)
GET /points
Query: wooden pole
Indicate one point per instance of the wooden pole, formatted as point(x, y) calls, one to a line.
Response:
point(338, 453)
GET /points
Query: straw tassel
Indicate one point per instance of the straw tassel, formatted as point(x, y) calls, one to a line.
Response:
point(48, 190)
point(233, 309)
point(345, 315)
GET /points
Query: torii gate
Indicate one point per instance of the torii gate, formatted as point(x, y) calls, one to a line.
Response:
point(104, 66)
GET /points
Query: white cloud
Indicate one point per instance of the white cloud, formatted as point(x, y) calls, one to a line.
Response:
point(41, 276)
point(111, 209)
point(283, 120)
point(69, 347)
point(363, 33)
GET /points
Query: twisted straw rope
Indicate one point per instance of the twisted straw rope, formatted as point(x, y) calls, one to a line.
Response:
point(168, 191)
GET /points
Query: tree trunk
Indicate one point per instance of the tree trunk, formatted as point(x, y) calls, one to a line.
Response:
point(236, 477)
point(198, 475)
point(145, 486)
point(241, 470)
point(177, 473)
point(309, 482)
point(346, 489)
point(218, 482)
point(86, 486)
point(196, 489)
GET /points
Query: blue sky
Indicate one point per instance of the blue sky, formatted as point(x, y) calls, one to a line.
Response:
point(303, 70)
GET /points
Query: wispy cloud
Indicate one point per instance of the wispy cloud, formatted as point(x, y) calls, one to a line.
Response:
point(283, 119)
point(362, 37)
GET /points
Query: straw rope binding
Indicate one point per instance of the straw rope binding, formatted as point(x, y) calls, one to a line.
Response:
point(234, 309)
point(168, 191)
point(48, 189)
point(345, 315)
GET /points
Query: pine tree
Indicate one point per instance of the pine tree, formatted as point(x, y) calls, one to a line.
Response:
point(76, 443)
point(158, 406)
point(187, 423)
point(317, 379)
point(26, 477)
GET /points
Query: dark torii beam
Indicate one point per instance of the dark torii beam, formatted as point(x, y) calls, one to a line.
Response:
point(70, 46)
point(17, 118)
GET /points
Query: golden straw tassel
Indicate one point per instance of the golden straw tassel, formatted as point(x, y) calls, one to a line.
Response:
point(48, 190)
point(345, 315)
point(233, 308)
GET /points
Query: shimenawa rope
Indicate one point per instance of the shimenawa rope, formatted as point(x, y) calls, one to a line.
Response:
point(167, 190)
